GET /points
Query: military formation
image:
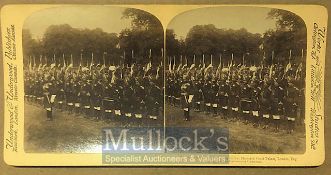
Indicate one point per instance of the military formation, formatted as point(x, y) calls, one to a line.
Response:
point(264, 95)
point(127, 94)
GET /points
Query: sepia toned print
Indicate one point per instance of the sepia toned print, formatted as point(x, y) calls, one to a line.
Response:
point(81, 76)
point(131, 85)
point(224, 71)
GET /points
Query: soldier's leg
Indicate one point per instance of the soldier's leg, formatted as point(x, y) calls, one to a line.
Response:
point(60, 104)
point(186, 113)
point(49, 114)
point(97, 112)
point(70, 106)
point(265, 118)
point(215, 108)
point(276, 121)
point(87, 109)
point(77, 108)
point(198, 105)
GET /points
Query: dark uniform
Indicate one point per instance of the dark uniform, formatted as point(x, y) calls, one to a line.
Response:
point(223, 96)
point(185, 100)
point(48, 100)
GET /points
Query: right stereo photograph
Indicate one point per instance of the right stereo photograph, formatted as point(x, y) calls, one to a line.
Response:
point(240, 68)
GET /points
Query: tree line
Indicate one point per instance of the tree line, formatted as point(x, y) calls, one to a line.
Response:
point(143, 41)
point(139, 43)
point(287, 42)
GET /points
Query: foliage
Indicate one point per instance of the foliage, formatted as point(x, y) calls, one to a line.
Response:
point(290, 35)
point(145, 33)
point(209, 40)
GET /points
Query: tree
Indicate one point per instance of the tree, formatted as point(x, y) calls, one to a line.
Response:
point(290, 34)
point(209, 40)
point(172, 43)
point(31, 47)
point(145, 34)
point(63, 39)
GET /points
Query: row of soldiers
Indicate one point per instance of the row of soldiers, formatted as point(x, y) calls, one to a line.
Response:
point(264, 96)
point(125, 93)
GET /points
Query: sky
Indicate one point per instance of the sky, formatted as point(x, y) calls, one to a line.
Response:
point(251, 18)
point(91, 17)
point(109, 19)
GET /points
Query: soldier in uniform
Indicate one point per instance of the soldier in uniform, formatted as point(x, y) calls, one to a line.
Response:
point(39, 91)
point(245, 103)
point(214, 96)
point(198, 95)
point(176, 90)
point(234, 99)
point(108, 100)
point(223, 95)
point(77, 96)
point(97, 99)
point(265, 103)
point(69, 95)
point(140, 104)
point(277, 104)
point(291, 106)
point(60, 94)
point(186, 100)
point(128, 101)
point(208, 96)
point(153, 101)
point(256, 103)
point(48, 99)
point(86, 97)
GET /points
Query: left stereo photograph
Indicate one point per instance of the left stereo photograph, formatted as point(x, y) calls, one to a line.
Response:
point(87, 68)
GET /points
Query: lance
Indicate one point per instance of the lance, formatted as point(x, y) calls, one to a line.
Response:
point(81, 58)
point(132, 54)
point(263, 58)
point(181, 59)
point(45, 58)
point(290, 55)
point(220, 59)
point(71, 60)
point(194, 59)
point(34, 61)
point(231, 59)
point(203, 59)
point(272, 57)
point(64, 62)
point(92, 57)
point(170, 63)
point(30, 63)
point(104, 58)
point(211, 59)
point(123, 58)
point(243, 59)
point(185, 60)
point(54, 61)
point(40, 59)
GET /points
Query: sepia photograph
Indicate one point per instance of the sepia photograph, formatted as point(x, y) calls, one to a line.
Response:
point(241, 68)
point(164, 85)
point(87, 68)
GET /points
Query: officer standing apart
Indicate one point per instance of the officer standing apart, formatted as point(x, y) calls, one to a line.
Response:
point(48, 100)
